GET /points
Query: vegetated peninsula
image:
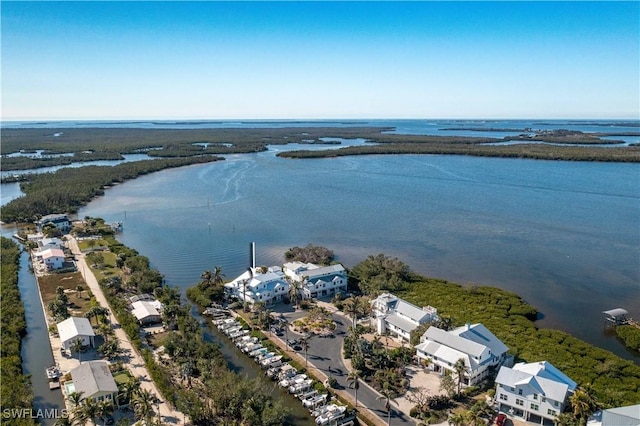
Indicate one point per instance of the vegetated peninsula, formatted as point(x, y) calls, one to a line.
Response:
point(68, 189)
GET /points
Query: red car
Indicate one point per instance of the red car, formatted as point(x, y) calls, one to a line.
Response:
point(501, 419)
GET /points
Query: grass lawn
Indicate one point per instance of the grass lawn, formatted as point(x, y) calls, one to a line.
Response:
point(121, 378)
point(69, 281)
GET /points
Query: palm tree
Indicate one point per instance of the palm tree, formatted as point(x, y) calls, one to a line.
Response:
point(294, 289)
point(354, 381)
point(130, 389)
point(95, 312)
point(583, 404)
point(354, 306)
point(76, 347)
point(206, 278)
point(304, 342)
point(387, 397)
point(460, 367)
point(75, 398)
point(87, 410)
point(143, 405)
point(218, 276)
point(105, 407)
point(79, 290)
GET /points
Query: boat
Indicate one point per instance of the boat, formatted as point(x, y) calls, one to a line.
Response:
point(315, 401)
point(332, 414)
point(300, 387)
point(307, 395)
point(229, 330)
point(271, 361)
point(273, 372)
point(258, 351)
point(53, 372)
point(252, 347)
point(264, 356)
point(295, 379)
point(239, 333)
point(243, 341)
point(286, 372)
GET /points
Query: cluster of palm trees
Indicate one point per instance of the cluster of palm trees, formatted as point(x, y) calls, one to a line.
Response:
point(474, 417)
point(88, 409)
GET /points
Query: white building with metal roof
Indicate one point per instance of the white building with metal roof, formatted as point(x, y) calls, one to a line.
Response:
point(619, 416)
point(147, 311)
point(480, 349)
point(317, 281)
point(535, 392)
point(391, 314)
point(74, 328)
point(94, 380)
point(254, 286)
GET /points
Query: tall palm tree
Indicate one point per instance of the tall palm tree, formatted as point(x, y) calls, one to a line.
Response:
point(76, 347)
point(304, 342)
point(130, 389)
point(353, 378)
point(354, 306)
point(583, 404)
point(95, 312)
point(294, 291)
point(87, 410)
point(460, 367)
point(457, 419)
point(206, 278)
point(218, 276)
point(143, 406)
point(387, 397)
point(79, 290)
point(105, 407)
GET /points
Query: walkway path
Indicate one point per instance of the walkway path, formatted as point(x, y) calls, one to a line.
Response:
point(136, 363)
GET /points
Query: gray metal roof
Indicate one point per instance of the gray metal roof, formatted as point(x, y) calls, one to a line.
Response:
point(617, 312)
point(410, 310)
point(622, 416)
point(74, 327)
point(510, 377)
point(93, 377)
point(401, 323)
point(480, 334)
point(454, 341)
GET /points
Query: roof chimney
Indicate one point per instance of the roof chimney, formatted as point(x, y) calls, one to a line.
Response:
point(252, 255)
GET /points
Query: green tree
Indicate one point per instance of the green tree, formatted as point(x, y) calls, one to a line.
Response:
point(380, 273)
point(143, 406)
point(448, 385)
point(583, 404)
point(387, 396)
point(460, 367)
point(353, 378)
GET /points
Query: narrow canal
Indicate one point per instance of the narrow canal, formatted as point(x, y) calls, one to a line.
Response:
point(36, 351)
point(242, 364)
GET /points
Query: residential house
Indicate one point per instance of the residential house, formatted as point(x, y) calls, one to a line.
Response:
point(536, 392)
point(481, 351)
point(74, 328)
point(53, 258)
point(61, 221)
point(398, 317)
point(619, 416)
point(259, 285)
point(147, 311)
point(317, 281)
point(47, 243)
point(94, 380)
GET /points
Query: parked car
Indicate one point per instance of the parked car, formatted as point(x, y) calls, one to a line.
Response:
point(501, 420)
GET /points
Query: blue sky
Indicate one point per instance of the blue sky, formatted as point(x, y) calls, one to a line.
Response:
point(318, 60)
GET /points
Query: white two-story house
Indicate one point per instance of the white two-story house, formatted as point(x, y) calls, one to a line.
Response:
point(317, 281)
point(398, 317)
point(254, 286)
point(480, 349)
point(536, 392)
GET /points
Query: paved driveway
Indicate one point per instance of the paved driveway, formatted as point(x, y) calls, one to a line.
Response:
point(325, 354)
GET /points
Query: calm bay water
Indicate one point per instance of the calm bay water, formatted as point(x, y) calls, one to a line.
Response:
point(564, 235)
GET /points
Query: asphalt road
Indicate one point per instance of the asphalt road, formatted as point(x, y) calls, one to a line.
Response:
point(325, 354)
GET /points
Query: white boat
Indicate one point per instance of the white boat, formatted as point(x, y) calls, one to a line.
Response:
point(287, 372)
point(245, 340)
point(313, 402)
point(263, 356)
point(268, 362)
point(53, 372)
point(260, 350)
point(333, 414)
point(309, 394)
point(231, 329)
point(252, 347)
point(273, 371)
point(284, 383)
point(303, 386)
point(222, 324)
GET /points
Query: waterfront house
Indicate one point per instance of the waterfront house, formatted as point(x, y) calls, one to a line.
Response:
point(260, 284)
point(74, 328)
point(619, 416)
point(147, 311)
point(94, 380)
point(398, 317)
point(47, 243)
point(535, 392)
point(60, 221)
point(53, 258)
point(317, 281)
point(481, 351)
